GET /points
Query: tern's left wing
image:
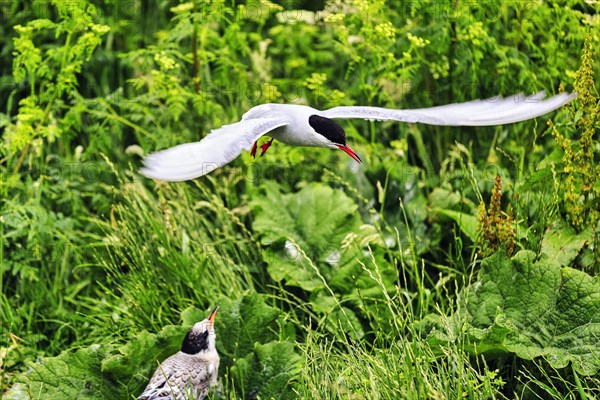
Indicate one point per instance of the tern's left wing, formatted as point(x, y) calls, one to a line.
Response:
point(494, 111)
point(221, 146)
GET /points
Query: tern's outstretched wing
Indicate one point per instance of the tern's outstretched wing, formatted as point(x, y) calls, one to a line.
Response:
point(494, 111)
point(221, 146)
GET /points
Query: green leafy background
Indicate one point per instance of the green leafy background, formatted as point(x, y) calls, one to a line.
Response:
point(334, 279)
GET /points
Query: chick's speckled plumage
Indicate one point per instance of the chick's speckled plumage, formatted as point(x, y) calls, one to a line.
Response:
point(191, 372)
point(182, 376)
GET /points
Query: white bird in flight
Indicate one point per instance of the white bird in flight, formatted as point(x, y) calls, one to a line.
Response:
point(299, 125)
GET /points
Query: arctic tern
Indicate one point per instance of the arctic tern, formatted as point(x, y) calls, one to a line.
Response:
point(300, 125)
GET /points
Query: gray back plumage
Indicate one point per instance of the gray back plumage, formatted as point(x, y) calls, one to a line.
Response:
point(180, 377)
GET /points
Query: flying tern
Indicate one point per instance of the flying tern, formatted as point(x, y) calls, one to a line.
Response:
point(191, 371)
point(300, 125)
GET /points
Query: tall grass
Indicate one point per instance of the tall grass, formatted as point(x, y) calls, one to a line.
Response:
point(173, 248)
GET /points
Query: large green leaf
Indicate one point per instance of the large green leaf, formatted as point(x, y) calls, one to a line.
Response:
point(563, 243)
point(466, 222)
point(240, 324)
point(100, 371)
point(268, 371)
point(532, 308)
point(339, 253)
point(314, 220)
point(71, 375)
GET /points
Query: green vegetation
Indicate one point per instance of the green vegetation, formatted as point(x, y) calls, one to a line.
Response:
point(385, 280)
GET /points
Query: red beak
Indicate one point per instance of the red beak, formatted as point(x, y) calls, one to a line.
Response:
point(348, 150)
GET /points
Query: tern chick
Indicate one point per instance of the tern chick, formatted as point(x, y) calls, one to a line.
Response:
point(192, 371)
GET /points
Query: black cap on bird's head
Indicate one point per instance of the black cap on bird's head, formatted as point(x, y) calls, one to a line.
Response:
point(197, 338)
point(333, 132)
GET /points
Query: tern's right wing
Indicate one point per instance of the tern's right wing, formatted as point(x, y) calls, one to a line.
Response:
point(221, 146)
point(494, 111)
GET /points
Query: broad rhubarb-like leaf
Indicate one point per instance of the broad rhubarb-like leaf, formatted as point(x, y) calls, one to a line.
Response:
point(532, 308)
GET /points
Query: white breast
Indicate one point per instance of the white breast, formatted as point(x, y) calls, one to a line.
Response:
point(298, 131)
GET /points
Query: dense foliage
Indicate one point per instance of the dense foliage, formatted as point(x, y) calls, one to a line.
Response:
point(454, 262)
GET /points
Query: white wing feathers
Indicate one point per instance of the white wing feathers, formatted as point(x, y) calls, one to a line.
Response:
point(221, 146)
point(493, 111)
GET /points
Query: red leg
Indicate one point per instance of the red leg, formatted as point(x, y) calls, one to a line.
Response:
point(253, 150)
point(265, 146)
